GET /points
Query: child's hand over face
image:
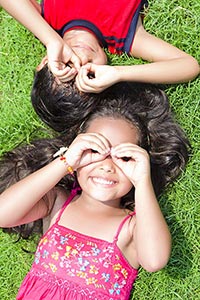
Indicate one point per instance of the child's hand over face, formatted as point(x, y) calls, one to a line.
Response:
point(87, 148)
point(102, 76)
point(132, 160)
point(62, 61)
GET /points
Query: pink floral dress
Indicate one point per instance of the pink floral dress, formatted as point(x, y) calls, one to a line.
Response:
point(73, 266)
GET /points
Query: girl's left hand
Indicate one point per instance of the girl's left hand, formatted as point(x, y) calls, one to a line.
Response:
point(102, 76)
point(132, 160)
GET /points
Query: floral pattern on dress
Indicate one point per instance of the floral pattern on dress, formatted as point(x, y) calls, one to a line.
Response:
point(89, 261)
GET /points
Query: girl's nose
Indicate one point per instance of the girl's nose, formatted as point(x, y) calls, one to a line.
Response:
point(83, 55)
point(107, 165)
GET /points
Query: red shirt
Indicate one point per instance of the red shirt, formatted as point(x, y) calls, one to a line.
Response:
point(113, 22)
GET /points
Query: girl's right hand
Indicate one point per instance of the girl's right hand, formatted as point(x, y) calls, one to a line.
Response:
point(87, 148)
point(62, 61)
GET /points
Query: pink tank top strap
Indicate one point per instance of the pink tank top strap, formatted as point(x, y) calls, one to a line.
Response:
point(122, 224)
point(69, 199)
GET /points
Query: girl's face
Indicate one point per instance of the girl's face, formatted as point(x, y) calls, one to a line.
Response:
point(104, 180)
point(86, 46)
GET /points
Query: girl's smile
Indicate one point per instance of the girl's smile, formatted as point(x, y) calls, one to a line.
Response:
point(103, 182)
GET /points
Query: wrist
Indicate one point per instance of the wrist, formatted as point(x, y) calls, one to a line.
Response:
point(69, 168)
point(61, 153)
point(52, 43)
point(121, 72)
point(52, 38)
point(144, 190)
point(143, 182)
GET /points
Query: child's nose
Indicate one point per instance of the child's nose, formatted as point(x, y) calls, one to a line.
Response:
point(107, 165)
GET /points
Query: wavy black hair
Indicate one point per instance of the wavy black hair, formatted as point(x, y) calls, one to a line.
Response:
point(64, 109)
point(68, 111)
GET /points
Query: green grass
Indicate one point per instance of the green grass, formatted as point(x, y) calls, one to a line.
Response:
point(15, 263)
point(176, 21)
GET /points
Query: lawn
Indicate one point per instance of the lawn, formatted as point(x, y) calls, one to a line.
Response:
point(176, 21)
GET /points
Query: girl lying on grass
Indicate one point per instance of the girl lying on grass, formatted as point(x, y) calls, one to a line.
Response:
point(99, 193)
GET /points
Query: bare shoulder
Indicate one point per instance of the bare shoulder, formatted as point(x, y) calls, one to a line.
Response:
point(126, 241)
point(61, 197)
point(151, 48)
point(56, 201)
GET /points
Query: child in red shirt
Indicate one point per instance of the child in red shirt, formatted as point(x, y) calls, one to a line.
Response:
point(86, 28)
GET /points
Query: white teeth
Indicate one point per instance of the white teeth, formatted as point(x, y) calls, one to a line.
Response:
point(102, 181)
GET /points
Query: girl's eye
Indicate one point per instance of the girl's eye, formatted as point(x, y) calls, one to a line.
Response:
point(125, 158)
point(91, 75)
point(94, 151)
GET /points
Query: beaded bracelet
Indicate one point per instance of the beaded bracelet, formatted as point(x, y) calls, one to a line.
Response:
point(60, 153)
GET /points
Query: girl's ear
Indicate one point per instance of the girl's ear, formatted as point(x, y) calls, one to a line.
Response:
point(44, 61)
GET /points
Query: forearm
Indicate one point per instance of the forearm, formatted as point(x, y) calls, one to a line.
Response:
point(18, 200)
point(152, 235)
point(170, 71)
point(25, 12)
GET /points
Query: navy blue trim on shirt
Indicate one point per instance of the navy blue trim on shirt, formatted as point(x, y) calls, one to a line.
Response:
point(42, 8)
point(131, 32)
point(132, 29)
point(85, 24)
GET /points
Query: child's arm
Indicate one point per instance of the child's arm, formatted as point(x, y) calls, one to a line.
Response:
point(36, 5)
point(167, 64)
point(27, 13)
point(24, 201)
point(151, 234)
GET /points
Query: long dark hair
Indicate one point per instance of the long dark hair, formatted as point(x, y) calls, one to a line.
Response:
point(145, 106)
point(64, 109)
